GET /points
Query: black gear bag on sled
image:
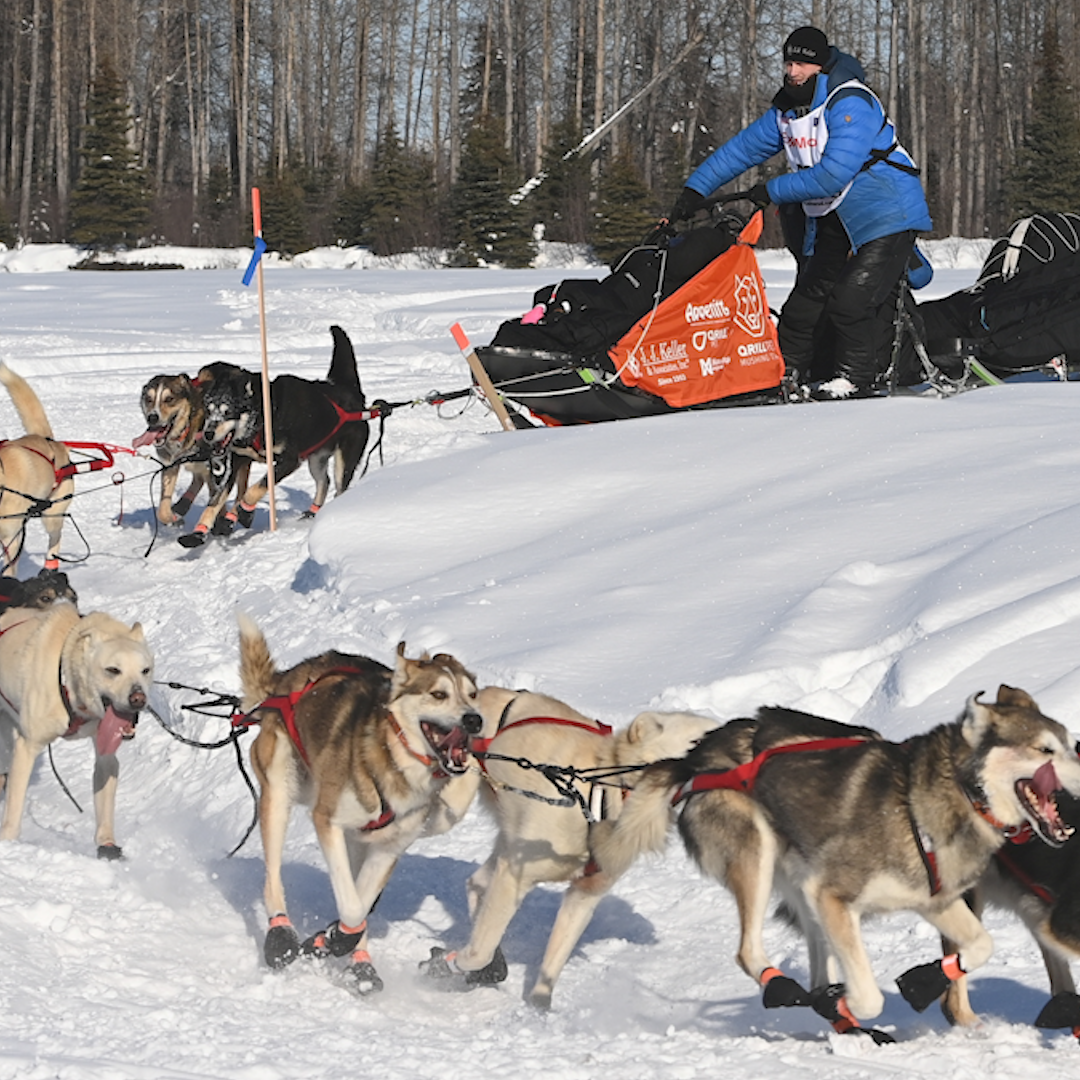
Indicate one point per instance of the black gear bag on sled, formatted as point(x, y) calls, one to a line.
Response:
point(1023, 312)
point(681, 322)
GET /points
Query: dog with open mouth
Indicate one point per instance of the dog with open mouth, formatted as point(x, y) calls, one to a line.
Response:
point(379, 755)
point(174, 410)
point(846, 823)
point(314, 420)
point(66, 675)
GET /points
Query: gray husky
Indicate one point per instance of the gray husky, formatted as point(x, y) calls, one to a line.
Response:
point(846, 823)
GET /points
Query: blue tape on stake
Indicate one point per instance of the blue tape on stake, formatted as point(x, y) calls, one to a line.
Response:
point(260, 247)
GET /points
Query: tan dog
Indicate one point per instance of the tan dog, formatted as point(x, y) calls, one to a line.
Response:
point(31, 477)
point(66, 675)
point(174, 412)
point(380, 757)
point(541, 841)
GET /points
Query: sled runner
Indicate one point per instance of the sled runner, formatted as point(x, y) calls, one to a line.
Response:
point(681, 323)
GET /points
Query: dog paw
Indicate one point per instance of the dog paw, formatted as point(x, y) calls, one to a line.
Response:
point(333, 941)
point(493, 973)
point(110, 852)
point(282, 946)
point(1061, 1011)
point(437, 966)
point(782, 992)
point(881, 1038)
point(192, 540)
point(244, 516)
point(921, 986)
point(180, 508)
point(362, 978)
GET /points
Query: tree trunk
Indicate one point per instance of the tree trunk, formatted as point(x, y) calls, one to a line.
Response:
point(33, 91)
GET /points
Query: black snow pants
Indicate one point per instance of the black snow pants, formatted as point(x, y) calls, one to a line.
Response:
point(855, 293)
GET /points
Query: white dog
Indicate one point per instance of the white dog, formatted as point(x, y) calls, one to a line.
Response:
point(544, 834)
point(66, 675)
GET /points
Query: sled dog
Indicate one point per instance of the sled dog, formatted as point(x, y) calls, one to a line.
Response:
point(32, 479)
point(847, 823)
point(63, 675)
point(543, 832)
point(37, 592)
point(175, 415)
point(380, 757)
point(1040, 885)
point(313, 421)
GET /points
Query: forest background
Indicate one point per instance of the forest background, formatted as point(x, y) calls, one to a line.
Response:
point(406, 124)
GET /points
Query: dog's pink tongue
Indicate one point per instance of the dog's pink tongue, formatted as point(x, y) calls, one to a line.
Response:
point(1045, 780)
point(147, 438)
point(111, 732)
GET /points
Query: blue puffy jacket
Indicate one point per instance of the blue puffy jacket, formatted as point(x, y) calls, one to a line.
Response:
point(883, 199)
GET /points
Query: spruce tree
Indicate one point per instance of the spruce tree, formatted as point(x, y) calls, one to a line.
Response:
point(394, 211)
point(561, 202)
point(488, 228)
point(1047, 172)
point(110, 206)
point(625, 210)
point(284, 214)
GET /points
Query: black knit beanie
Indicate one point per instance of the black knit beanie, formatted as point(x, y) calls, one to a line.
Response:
point(807, 45)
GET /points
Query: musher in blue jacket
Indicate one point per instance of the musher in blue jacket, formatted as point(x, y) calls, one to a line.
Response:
point(862, 200)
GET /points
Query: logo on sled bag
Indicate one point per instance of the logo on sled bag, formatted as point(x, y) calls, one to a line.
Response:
point(749, 310)
point(709, 340)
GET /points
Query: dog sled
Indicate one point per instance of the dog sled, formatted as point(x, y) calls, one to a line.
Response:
point(1022, 315)
point(682, 323)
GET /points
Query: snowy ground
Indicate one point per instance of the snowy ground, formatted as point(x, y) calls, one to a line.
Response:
point(875, 561)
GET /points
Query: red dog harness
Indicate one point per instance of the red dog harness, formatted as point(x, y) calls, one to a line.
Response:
point(285, 705)
point(743, 777)
point(480, 746)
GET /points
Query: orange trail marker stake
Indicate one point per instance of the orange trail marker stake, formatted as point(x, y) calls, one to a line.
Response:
point(481, 376)
point(268, 424)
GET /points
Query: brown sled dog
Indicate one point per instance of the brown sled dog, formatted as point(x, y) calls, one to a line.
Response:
point(32, 478)
point(379, 756)
point(542, 838)
point(856, 828)
point(175, 412)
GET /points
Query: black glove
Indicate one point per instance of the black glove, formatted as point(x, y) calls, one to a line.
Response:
point(686, 205)
point(759, 196)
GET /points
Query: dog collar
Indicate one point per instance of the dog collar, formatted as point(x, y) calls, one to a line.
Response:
point(424, 759)
point(1016, 834)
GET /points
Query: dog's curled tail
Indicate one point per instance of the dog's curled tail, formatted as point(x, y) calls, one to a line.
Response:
point(257, 670)
point(642, 826)
point(31, 411)
point(343, 371)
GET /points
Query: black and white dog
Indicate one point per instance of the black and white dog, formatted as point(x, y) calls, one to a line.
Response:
point(313, 421)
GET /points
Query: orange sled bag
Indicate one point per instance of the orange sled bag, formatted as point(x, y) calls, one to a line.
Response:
point(679, 324)
point(711, 339)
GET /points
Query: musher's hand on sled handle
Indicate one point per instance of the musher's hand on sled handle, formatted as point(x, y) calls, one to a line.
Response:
point(482, 378)
point(691, 202)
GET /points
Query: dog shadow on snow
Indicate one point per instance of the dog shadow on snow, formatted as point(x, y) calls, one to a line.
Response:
point(996, 1000)
point(428, 890)
point(291, 503)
